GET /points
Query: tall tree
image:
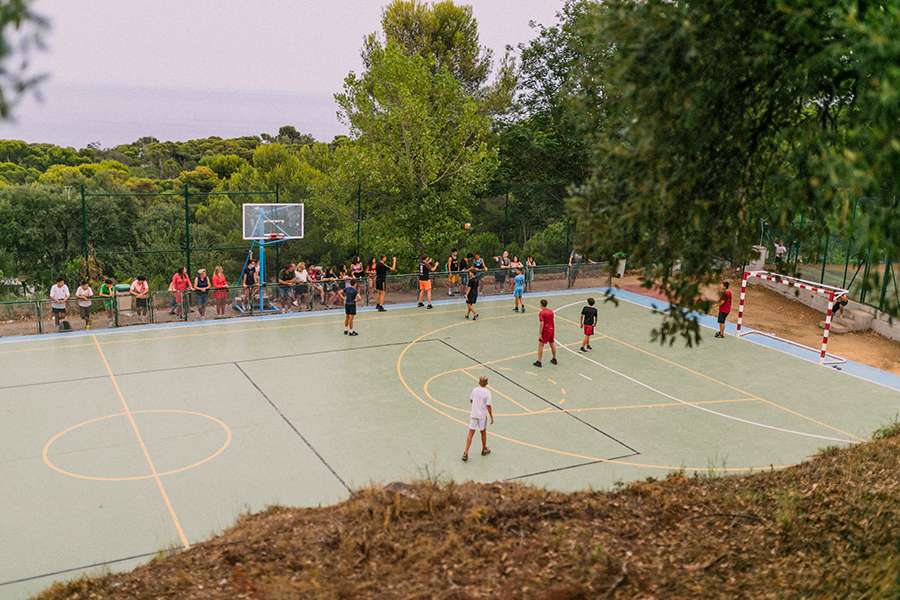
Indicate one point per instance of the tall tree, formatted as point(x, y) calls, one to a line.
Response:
point(421, 144)
point(449, 34)
point(722, 111)
point(20, 33)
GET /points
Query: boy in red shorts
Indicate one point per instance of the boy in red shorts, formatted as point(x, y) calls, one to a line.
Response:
point(546, 333)
point(588, 318)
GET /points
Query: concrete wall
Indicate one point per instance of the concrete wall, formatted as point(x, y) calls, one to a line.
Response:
point(880, 324)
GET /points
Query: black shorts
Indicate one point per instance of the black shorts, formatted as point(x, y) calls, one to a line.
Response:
point(471, 299)
point(350, 309)
point(379, 285)
point(500, 277)
point(722, 317)
point(140, 302)
point(59, 311)
point(301, 288)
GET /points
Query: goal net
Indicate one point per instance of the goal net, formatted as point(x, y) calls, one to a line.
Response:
point(827, 291)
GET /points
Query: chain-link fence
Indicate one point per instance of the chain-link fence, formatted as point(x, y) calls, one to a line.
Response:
point(36, 316)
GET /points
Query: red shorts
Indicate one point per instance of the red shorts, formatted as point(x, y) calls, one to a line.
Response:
point(546, 336)
point(588, 330)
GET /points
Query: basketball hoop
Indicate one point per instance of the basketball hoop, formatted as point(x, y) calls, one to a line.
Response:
point(273, 237)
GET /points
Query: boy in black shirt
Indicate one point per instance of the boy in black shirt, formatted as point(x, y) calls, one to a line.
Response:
point(348, 295)
point(588, 318)
point(472, 294)
point(381, 271)
point(425, 268)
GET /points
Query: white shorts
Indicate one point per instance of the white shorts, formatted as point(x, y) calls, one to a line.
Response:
point(478, 424)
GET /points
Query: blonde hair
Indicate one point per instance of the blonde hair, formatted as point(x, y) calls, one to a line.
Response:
point(218, 271)
point(482, 381)
point(301, 266)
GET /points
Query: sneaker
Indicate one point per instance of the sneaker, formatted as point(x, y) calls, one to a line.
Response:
point(354, 333)
point(523, 309)
point(421, 305)
point(719, 335)
point(381, 309)
point(295, 303)
point(467, 316)
point(553, 361)
point(486, 451)
point(429, 306)
point(583, 349)
point(346, 332)
point(88, 326)
point(465, 457)
point(475, 317)
point(537, 363)
point(589, 347)
point(516, 309)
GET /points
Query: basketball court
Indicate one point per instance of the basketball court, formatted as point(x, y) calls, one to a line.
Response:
point(116, 445)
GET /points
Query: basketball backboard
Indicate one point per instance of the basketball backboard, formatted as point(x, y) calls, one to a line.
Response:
point(265, 222)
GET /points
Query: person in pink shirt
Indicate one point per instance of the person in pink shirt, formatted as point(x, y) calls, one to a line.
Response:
point(545, 318)
point(220, 290)
point(724, 307)
point(180, 283)
point(140, 289)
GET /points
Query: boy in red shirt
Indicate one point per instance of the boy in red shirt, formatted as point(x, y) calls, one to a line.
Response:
point(546, 333)
point(724, 306)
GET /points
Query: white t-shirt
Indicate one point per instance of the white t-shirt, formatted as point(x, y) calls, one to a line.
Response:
point(58, 294)
point(302, 276)
point(481, 399)
point(84, 290)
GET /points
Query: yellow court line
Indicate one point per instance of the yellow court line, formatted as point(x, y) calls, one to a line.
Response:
point(134, 426)
point(535, 446)
point(722, 383)
point(525, 408)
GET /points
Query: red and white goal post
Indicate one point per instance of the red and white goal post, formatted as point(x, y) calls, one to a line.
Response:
point(829, 292)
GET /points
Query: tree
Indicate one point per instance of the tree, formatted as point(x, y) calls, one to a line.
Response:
point(724, 111)
point(421, 145)
point(20, 33)
point(449, 35)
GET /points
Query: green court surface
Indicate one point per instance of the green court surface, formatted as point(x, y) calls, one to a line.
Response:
point(116, 445)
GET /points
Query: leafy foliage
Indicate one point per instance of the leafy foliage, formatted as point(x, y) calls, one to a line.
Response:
point(721, 112)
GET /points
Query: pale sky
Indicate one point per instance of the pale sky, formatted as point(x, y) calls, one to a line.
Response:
point(159, 68)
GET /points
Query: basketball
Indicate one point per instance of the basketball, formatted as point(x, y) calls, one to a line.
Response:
point(468, 226)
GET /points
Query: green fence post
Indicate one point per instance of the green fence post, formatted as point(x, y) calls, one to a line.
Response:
point(84, 229)
point(358, 214)
point(506, 216)
point(887, 268)
point(824, 259)
point(37, 311)
point(187, 231)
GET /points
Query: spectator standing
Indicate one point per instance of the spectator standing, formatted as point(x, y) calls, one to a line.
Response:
point(59, 294)
point(503, 264)
point(301, 287)
point(140, 289)
point(371, 272)
point(180, 283)
point(250, 282)
point(452, 271)
point(220, 290)
point(724, 306)
point(108, 293)
point(84, 293)
point(201, 291)
point(286, 279)
point(529, 267)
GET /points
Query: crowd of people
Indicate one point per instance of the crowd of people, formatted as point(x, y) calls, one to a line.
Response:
point(300, 285)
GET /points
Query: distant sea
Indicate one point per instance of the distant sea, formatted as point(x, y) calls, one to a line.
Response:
point(76, 115)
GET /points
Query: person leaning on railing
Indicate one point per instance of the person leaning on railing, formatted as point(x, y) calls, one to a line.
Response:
point(201, 291)
point(220, 290)
point(140, 289)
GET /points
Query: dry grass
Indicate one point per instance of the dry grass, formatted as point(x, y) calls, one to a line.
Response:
point(827, 528)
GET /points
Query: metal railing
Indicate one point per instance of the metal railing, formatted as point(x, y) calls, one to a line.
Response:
point(35, 316)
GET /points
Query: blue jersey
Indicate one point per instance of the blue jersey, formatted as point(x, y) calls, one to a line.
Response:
point(519, 281)
point(350, 293)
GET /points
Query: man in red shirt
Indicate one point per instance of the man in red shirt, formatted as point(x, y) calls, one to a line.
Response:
point(546, 333)
point(724, 306)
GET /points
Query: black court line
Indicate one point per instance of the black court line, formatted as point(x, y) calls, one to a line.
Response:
point(73, 569)
point(538, 396)
point(297, 431)
point(204, 365)
point(587, 464)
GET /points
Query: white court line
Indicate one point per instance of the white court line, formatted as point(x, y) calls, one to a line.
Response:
point(585, 376)
point(820, 437)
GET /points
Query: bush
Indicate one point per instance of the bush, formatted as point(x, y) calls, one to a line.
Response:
point(549, 247)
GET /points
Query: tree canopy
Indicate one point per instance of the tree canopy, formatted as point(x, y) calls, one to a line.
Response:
point(721, 113)
point(20, 33)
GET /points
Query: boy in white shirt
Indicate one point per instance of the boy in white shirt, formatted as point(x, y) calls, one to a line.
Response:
point(84, 294)
point(481, 410)
point(59, 293)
